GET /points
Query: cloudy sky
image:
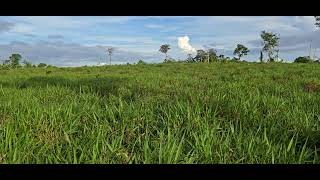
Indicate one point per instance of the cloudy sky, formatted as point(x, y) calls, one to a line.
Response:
point(82, 40)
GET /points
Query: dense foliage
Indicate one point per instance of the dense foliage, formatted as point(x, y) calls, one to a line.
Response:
point(303, 60)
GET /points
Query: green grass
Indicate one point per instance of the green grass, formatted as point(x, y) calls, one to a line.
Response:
point(162, 113)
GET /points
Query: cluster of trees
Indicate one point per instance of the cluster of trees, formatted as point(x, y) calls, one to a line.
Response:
point(305, 59)
point(308, 59)
point(15, 59)
point(270, 42)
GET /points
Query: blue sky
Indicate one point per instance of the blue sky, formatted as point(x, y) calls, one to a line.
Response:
point(82, 40)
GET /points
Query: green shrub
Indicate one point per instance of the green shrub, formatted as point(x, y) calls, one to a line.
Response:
point(303, 60)
point(141, 62)
point(42, 65)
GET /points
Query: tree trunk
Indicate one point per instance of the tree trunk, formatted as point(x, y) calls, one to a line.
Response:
point(270, 54)
point(261, 56)
point(110, 59)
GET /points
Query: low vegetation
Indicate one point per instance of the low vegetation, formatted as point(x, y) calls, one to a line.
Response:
point(206, 109)
point(232, 112)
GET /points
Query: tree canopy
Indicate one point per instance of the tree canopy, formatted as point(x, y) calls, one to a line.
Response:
point(241, 50)
point(164, 49)
point(270, 42)
point(15, 59)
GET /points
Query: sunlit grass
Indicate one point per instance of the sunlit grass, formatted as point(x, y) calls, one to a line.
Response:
point(161, 113)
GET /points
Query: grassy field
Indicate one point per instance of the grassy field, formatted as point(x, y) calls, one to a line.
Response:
point(161, 113)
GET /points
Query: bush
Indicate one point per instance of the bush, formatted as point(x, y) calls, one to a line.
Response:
point(4, 67)
point(42, 65)
point(141, 62)
point(303, 60)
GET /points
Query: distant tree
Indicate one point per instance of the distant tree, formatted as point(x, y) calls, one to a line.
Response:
point(201, 55)
point(270, 42)
point(110, 51)
point(42, 65)
point(141, 62)
point(240, 51)
point(164, 49)
point(317, 20)
point(190, 58)
point(15, 60)
point(212, 53)
point(222, 58)
point(303, 60)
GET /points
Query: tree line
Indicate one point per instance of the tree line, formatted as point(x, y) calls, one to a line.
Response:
point(15, 59)
point(270, 42)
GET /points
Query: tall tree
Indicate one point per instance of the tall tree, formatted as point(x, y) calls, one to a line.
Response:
point(15, 59)
point(317, 20)
point(270, 42)
point(240, 51)
point(110, 51)
point(164, 49)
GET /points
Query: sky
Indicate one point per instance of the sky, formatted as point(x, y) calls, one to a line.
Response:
point(82, 40)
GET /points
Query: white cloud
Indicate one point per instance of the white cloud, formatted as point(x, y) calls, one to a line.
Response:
point(183, 43)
